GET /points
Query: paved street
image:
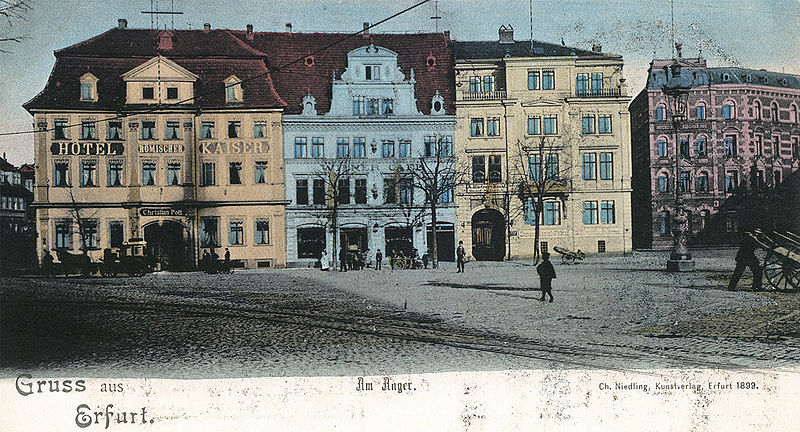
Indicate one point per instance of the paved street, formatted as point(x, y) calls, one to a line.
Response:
point(609, 312)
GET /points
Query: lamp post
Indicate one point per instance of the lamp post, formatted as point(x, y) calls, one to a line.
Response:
point(677, 92)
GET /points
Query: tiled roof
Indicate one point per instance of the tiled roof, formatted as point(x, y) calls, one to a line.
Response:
point(497, 50)
point(295, 81)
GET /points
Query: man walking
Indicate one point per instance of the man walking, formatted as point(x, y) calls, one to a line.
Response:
point(546, 275)
point(746, 257)
point(461, 256)
point(343, 259)
point(378, 260)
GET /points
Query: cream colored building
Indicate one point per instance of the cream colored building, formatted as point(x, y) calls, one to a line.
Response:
point(174, 138)
point(507, 100)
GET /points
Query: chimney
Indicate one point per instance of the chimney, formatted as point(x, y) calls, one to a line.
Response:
point(597, 48)
point(447, 33)
point(366, 28)
point(679, 49)
point(206, 27)
point(122, 24)
point(165, 40)
point(249, 32)
point(289, 27)
point(506, 34)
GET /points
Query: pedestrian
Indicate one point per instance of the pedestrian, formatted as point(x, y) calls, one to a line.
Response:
point(746, 257)
point(343, 259)
point(378, 259)
point(227, 257)
point(323, 261)
point(461, 256)
point(392, 258)
point(206, 261)
point(425, 258)
point(364, 256)
point(546, 275)
point(47, 264)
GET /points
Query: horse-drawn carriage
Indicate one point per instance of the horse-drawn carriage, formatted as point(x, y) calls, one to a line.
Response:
point(131, 260)
point(782, 263)
point(568, 256)
point(74, 263)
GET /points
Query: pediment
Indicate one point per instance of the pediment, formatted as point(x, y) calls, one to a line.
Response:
point(159, 68)
point(541, 104)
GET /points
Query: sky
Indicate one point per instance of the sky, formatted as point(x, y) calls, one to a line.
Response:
point(759, 34)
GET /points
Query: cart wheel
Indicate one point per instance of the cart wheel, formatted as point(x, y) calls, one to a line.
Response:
point(401, 264)
point(564, 259)
point(782, 273)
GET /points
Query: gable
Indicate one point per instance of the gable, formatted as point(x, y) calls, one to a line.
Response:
point(159, 69)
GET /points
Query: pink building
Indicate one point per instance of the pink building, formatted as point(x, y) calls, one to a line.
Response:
point(741, 132)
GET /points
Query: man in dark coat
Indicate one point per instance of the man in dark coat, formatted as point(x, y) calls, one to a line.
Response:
point(546, 275)
point(378, 260)
point(344, 258)
point(461, 257)
point(746, 257)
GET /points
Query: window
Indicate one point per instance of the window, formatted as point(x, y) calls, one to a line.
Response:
point(492, 126)
point(488, 83)
point(301, 192)
point(476, 127)
point(259, 130)
point(478, 169)
point(318, 194)
point(589, 166)
point(209, 232)
point(172, 93)
point(358, 105)
point(729, 144)
point(597, 83)
point(63, 236)
point(446, 146)
point(360, 147)
point(582, 84)
point(731, 181)
point(406, 195)
point(148, 130)
point(550, 124)
point(728, 111)
point(587, 124)
point(662, 147)
point(404, 148)
point(774, 113)
point(495, 169)
point(115, 234)
point(261, 232)
point(534, 125)
point(260, 172)
point(233, 89)
point(430, 146)
point(590, 212)
point(684, 148)
point(300, 147)
point(87, 91)
point(310, 242)
point(206, 130)
point(171, 131)
point(344, 191)
point(663, 183)
point(701, 111)
point(148, 93)
point(88, 130)
point(318, 147)
point(234, 173)
point(661, 112)
point(372, 72)
point(551, 167)
point(548, 80)
point(534, 167)
point(601, 246)
point(607, 212)
point(701, 147)
point(114, 130)
point(684, 182)
point(59, 129)
point(235, 233)
point(148, 173)
point(361, 191)
point(207, 176)
point(445, 192)
point(342, 148)
point(61, 174)
point(533, 80)
point(776, 142)
point(115, 173)
point(758, 142)
point(606, 166)
point(389, 191)
point(174, 173)
point(89, 237)
point(474, 84)
point(663, 224)
point(702, 182)
point(795, 147)
point(793, 114)
point(552, 213)
point(387, 107)
point(233, 129)
point(604, 124)
point(387, 149)
point(88, 170)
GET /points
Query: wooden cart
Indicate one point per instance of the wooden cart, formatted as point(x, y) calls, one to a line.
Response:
point(782, 262)
point(568, 256)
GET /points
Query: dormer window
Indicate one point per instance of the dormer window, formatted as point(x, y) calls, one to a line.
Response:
point(372, 72)
point(148, 93)
point(233, 89)
point(89, 88)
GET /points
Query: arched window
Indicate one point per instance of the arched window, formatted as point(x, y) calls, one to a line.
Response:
point(662, 184)
point(793, 114)
point(701, 111)
point(702, 182)
point(728, 110)
point(663, 224)
point(662, 147)
point(774, 112)
point(701, 147)
point(757, 110)
point(661, 112)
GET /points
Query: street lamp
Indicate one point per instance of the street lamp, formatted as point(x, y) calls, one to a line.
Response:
point(677, 92)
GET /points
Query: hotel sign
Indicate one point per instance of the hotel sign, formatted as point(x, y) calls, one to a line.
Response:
point(87, 148)
point(161, 148)
point(236, 147)
point(163, 212)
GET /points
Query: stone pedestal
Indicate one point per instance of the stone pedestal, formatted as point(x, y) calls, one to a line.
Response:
point(680, 265)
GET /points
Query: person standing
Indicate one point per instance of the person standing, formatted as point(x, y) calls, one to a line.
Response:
point(546, 275)
point(746, 257)
point(323, 261)
point(378, 259)
point(461, 256)
point(343, 259)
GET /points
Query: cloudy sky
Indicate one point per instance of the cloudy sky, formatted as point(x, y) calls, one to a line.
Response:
point(747, 33)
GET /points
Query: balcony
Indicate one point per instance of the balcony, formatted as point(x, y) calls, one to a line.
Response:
point(598, 93)
point(483, 96)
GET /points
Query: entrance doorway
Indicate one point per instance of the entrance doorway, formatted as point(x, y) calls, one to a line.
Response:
point(445, 241)
point(488, 235)
point(166, 244)
point(354, 238)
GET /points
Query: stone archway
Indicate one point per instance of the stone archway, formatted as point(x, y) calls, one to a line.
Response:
point(488, 235)
point(166, 243)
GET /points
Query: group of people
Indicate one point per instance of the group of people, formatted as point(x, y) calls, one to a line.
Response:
point(357, 259)
point(210, 262)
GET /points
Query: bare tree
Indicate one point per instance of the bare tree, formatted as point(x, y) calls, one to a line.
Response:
point(84, 222)
point(12, 11)
point(331, 172)
point(410, 213)
point(436, 175)
point(541, 170)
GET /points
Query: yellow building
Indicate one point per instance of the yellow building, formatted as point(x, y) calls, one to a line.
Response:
point(170, 136)
point(528, 109)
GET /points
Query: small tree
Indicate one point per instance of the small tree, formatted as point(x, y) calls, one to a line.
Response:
point(410, 213)
point(83, 222)
point(540, 171)
point(331, 172)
